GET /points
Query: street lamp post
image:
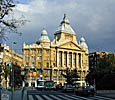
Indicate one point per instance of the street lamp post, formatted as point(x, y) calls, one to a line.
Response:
point(12, 72)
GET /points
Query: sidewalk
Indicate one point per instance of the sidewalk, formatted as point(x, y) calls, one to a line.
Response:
point(20, 94)
point(107, 93)
point(111, 95)
point(17, 94)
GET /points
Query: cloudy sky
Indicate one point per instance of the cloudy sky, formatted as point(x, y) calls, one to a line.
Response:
point(93, 19)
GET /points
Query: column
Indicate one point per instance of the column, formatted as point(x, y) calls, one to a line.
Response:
point(79, 60)
point(68, 59)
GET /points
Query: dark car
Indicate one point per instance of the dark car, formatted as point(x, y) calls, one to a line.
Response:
point(67, 88)
point(58, 86)
point(49, 85)
point(85, 91)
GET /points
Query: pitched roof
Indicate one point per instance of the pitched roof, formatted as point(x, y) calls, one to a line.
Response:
point(65, 26)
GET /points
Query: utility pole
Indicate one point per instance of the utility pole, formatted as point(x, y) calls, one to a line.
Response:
point(12, 71)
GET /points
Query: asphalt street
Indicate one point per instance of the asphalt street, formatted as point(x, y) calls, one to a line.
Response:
point(29, 93)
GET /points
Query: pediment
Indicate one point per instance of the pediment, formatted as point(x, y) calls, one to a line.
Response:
point(70, 45)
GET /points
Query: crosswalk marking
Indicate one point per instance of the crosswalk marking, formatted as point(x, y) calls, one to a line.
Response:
point(30, 97)
point(105, 98)
point(55, 97)
point(65, 97)
point(73, 97)
point(83, 98)
point(38, 97)
point(78, 97)
point(48, 98)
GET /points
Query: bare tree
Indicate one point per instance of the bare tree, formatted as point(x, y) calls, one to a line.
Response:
point(9, 25)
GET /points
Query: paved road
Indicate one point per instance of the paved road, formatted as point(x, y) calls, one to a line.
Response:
point(57, 95)
point(65, 97)
point(54, 95)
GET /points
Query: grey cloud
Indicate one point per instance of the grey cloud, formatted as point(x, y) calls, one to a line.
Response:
point(93, 19)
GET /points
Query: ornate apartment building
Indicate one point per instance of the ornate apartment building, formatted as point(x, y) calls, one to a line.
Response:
point(48, 59)
point(8, 56)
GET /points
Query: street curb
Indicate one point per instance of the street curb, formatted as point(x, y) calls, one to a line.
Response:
point(105, 91)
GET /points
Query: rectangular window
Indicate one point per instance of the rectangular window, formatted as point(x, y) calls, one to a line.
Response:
point(74, 59)
point(70, 59)
point(60, 58)
point(33, 51)
point(40, 57)
point(40, 51)
point(79, 56)
point(47, 58)
point(33, 58)
point(26, 58)
point(27, 64)
point(47, 51)
point(54, 65)
point(26, 52)
point(71, 38)
point(65, 58)
point(47, 65)
point(55, 72)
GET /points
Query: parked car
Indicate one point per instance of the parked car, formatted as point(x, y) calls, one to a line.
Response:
point(85, 91)
point(67, 88)
point(76, 86)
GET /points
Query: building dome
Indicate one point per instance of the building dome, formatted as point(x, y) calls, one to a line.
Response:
point(83, 43)
point(44, 36)
point(82, 39)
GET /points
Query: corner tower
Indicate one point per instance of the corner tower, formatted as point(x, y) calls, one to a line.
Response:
point(65, 32)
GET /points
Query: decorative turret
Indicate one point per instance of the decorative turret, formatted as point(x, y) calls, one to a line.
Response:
point(44, 36)
point(83, 44)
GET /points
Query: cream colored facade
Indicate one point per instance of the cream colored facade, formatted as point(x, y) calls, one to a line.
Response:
point(9, 55)
point(50, 59)
point(6, 57)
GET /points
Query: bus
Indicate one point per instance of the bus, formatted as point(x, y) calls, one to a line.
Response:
point(40, 84)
